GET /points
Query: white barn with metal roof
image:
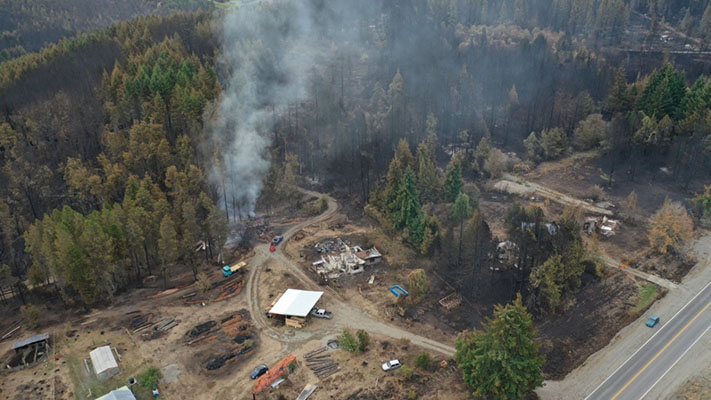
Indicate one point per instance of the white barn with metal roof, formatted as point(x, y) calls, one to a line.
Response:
point(296, 303)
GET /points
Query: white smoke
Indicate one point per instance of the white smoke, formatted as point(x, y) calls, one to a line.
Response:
point(267, 53)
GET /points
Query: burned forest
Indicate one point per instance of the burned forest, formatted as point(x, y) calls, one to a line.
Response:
point(426, 199)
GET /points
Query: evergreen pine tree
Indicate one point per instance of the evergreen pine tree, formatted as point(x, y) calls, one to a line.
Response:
point(428, 177)
point(453, 179)
point(503, 361)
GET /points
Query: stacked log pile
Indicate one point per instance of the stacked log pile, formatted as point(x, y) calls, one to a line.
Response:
point(12, 331)
point(226, 289)
point(232, 337)
point(146, 325)
point(320, 363)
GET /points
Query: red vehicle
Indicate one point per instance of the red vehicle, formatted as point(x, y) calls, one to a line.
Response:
point(275, 241)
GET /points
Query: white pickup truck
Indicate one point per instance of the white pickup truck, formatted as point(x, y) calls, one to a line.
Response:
point(321, 313)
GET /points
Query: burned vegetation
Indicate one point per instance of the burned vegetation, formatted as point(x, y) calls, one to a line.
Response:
point(534, 160)
point(227, 341)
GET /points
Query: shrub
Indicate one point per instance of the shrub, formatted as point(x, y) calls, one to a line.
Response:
point(670, 227)
point(496, 163)
point(423, 361)
point(702, 202)
point(472, 190)
point(590, 132)
point(630, 205)
point(363, 340)
point(596, 193)
point(418, 284)
point(292, 367)
point(407, 372)
point(554, 142)
point(36, 275)
point(533, 147)
point(320, 205)
point(150, 378)
point(32, 315)
point(348, 342)
point(203, 282)
point(404, 343)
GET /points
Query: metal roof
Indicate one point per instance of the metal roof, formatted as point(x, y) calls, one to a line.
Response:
point(122, 393)
point(30, 340)
point(296, 302)
point(102, 359)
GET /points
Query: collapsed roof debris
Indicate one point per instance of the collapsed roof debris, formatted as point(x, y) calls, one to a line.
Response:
point(602, 225)
point(350, 260)
point(551, 227)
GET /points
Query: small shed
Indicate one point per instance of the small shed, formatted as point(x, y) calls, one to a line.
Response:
point(370, 256)
point(122, 393)
point(104, 363)
point(29, 351)
point(22, 344)
point(295, 303)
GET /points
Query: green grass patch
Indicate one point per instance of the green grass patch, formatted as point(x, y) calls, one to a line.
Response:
point(647, 294)
point(85, 383)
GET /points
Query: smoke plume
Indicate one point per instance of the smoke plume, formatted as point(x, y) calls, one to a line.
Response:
point(267, 52)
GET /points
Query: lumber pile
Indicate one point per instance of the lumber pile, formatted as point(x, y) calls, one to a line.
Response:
point(140, 322)
point(295, 322)
point(306, 393)
point(160, 328)
point(227, 288)
point(164, 293)
point(232, 325)
point(12, 331)
point(230, 290)
point(320, 363)
point(231, 336)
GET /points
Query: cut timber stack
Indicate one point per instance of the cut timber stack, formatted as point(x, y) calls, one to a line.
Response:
point(166, 324)
point(295, 322)
point(140, 322)
point(321, 364)
point(10, 333)
point(230, 290)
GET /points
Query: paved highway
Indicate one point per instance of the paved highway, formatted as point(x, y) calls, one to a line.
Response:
point(648, 365)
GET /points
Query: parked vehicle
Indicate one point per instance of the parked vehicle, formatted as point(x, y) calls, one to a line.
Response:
point(391, 365)
point(321, 313)
point(259, 371)
point(229, 270)
point(275, 242)
point(652, 321)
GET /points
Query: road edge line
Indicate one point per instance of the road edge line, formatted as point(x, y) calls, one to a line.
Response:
point(663, 349)
point(648, 340)
point(675, 362)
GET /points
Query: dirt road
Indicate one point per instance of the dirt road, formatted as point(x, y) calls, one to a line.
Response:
point(345, 314)
point(521, 187)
